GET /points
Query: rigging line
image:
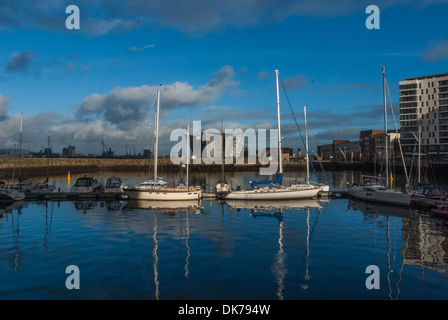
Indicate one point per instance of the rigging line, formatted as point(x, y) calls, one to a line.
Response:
point(396, 129)
point(298, 128)
point(320, 163)
point(153, 103)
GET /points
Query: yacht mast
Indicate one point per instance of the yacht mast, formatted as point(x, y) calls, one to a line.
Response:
point(279, 130)
point(156, 141)
point(20, 143)
point(385, 129)
point(306, 147)
point(188, 149)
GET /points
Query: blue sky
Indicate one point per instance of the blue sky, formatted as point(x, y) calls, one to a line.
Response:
point(215, 61)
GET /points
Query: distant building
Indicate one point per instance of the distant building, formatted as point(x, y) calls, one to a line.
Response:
point(147, 154)
point(373, 143)
point(424, 104)
point(69, 152)
point(340, 150)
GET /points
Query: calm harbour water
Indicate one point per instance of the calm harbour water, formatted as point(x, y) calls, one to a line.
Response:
point(222, 251)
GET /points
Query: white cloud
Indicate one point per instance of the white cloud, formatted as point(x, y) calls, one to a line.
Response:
point(135, 49)
point(438, 51)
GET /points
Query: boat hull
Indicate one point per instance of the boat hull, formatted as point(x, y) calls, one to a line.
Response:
point(389, 196)
point(428, 202)
point(163, 194)
point(273, 194)
point(9, 195)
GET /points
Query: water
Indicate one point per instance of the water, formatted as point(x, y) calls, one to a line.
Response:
point(224, 251)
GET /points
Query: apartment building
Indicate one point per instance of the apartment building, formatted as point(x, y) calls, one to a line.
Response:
point(424, 109)
point(373, 144)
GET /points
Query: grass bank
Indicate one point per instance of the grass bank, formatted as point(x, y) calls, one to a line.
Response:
point(38, 167)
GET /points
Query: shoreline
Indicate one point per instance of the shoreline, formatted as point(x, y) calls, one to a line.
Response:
point(29, 167)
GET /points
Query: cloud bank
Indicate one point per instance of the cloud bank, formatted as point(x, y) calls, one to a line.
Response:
point(191, 17)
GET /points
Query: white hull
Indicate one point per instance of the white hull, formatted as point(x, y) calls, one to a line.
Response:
point(384, 196)
point(86, 185)
point(423, 201)
point(82, 189)
point(44, 188)
point(163, 205)
point(286, 204)
point(163, 194)
point(273, 194)
point(11, 195)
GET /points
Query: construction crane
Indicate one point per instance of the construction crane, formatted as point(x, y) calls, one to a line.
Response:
point(345, 158)
point(108, 153)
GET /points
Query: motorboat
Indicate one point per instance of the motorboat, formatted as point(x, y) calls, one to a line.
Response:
point(114, 185)
point(441, 210)
point(9, 194)
point(371, 190)
point(86, 184)
point(428, 196)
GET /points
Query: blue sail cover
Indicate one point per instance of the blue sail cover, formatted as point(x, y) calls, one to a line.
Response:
point(267, 182)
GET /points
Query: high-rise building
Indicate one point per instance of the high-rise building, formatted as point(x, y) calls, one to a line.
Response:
point(424, 109)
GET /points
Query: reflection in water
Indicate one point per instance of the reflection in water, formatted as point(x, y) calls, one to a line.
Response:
point(279, 267)
point(192, 206)
point(277, 209)
point(423, 243)
point(14, 211)
point(187, 262)
point(147, 234)
point(156, 257)
point(170, 208)
point(48, 220)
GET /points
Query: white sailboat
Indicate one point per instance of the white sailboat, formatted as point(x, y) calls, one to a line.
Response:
point(426, 195)
point(222, 187)
point(46, 186)
point(371, 188)
point(10, 195)
point(276, 190)
point(155, 188)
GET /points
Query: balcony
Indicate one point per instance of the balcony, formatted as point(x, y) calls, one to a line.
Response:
point(408, 86)
point(408, 98)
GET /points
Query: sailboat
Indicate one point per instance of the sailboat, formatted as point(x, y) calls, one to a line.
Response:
point(156, 188)
point(426, 195)
point(12, 192)
point(10, 195)
point(46, 186)
point(222, 187)
point(371, 188)
point(275, 190)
